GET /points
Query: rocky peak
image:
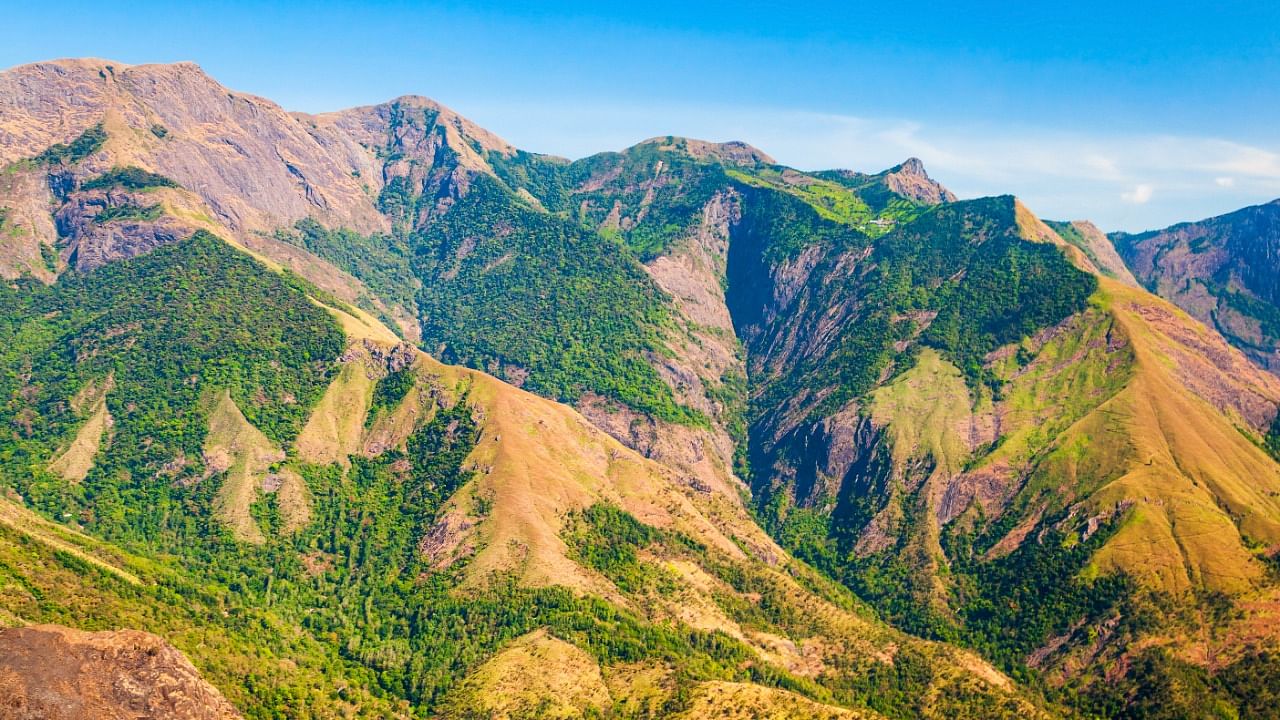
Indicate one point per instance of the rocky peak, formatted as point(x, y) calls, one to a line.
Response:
point(912, 166)
point(423, 147)
point(910, 180)
point(371, 124)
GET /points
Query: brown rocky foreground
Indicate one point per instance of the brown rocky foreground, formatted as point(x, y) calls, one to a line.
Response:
point(48, 672)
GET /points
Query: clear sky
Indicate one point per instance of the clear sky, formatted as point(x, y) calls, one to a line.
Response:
point(1133, 114)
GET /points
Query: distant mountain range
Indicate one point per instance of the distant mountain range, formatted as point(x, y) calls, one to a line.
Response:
point(372, 414)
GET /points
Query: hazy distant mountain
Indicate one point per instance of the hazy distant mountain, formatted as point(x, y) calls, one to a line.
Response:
point(1224, 271)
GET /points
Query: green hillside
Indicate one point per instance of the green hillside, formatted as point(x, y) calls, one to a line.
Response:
point(676, 431)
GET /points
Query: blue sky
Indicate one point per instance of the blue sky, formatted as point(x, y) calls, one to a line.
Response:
point(1132, 114)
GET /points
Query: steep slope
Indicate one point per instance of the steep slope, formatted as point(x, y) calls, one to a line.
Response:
point(428, 494)
point(1222, 271)
point(257, 166)
point(53, 574)
point(955, 405)
point(1097, 248)
point(210, 158)
point(1110, 451)
point(907, 181)
point(607, 288)
point(962, 413)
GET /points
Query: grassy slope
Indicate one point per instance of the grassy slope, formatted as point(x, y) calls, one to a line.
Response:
point(1128, 433)
point(1204, 491)
point(1096, 246)
point(1084, 452)
point(240, 450)
point(531, 467)
point(1179, 518)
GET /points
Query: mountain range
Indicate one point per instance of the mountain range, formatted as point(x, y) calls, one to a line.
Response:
point(372, 414)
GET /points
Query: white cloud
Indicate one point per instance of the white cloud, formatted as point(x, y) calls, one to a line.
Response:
point(1140, 195)
point(1225, 182)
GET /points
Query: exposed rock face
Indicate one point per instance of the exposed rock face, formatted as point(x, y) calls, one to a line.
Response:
point(425, 145)
point(1224, 271)
point(910, 180)
point(838, 460)
point(253, 167)
point(1097, 247)
point(703, 358)
point(48, 672)
point(91, 242)
point(257, 166)
point(27, 231)
point(245, 168)
point(702, 457)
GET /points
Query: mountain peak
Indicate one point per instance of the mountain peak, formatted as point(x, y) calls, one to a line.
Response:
point(911, 180)
point(733, 152)
point(370, 123)
point(105, 68)
point(912, 166)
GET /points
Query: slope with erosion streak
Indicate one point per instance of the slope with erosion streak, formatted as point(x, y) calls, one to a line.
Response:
point(1131, 409)
point(536, 465)
point(1037, 450)
point(942, 486)
point(536, 469)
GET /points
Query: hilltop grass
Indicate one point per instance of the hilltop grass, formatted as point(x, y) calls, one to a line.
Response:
point(833, 201)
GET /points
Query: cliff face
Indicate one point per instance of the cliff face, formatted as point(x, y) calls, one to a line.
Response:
point(1097, 248)
point(240, 166)
point(56, 673)
point(257, 166)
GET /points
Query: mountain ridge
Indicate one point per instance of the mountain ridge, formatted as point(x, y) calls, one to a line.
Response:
point(1217, 270)
point(972, 418)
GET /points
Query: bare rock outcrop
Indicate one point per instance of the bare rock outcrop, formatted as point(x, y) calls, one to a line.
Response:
point(49, 672)
point(910, 180)
point(140, 227)
point(257, 166)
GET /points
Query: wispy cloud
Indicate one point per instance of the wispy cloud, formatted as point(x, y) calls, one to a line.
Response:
point(1139, 195)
